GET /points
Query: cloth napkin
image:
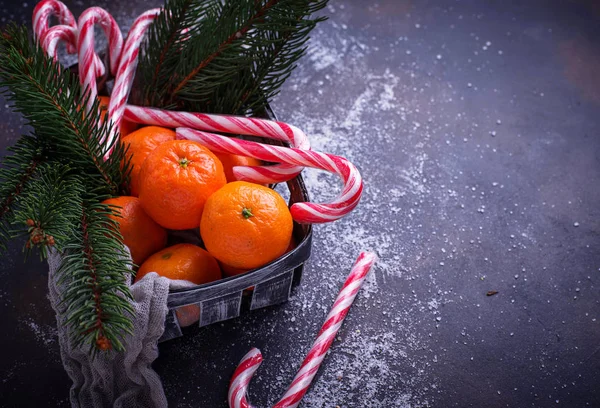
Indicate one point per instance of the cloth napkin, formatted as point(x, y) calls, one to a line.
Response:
point(116, 379)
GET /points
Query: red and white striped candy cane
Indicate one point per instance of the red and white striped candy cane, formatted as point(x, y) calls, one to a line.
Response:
point(66, 31)
point(53, 36)
point(41, 14)
point(126, 71)
point(68, 34)
point(237, 396)
point(85, 47)
point(301, 212)
point(238, 125)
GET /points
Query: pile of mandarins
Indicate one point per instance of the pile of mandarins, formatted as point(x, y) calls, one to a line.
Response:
point(180, 185)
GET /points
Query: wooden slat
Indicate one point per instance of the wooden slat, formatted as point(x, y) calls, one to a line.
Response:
point(221, 308)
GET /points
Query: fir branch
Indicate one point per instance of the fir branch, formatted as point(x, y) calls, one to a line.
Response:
point(278, 51)
point(178, 20)
point(17, 169)
point(95, 268)
point(98, 311)
point(49, 209)
point(246, 21)
point(49, 98)
point(233, 59)
point(215, 58)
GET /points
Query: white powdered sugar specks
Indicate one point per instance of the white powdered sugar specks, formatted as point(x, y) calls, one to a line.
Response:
point(43, 333)
point(378, 361)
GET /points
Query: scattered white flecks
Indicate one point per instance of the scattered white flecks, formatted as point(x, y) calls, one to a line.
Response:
point(323, 57)
point(417, 25)
point(498, 122)
point(433, 304)
point(577, 289)
point(45, 334)
point(404, 122)
point(495, 183)
point(576, 224)
point(469, 84)
point(493, 133)
point(380, 91)
point(376, 359)
point(516, 276)
point(439, 56)
point(412, 176)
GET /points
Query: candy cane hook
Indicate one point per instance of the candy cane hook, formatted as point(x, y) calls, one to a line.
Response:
point(301, 212)
point(66, 31)
point(85, 47)
point(238, 388)
point(41, 14)
point(68, 35)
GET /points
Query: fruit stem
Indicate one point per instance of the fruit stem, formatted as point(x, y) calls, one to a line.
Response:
point(247, 213)
point(184, 162)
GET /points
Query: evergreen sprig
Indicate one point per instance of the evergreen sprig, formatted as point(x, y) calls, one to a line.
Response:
point(223, 56)
point(53, 184)
point(180, 19)
point(49, 208)
point(278, 45)
point(50, 99)
point(95, 270)
point(16, 171)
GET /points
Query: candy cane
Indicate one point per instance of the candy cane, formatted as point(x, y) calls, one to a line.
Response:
point(58, 33)
point(242, 376)
point(85, 47)
point(66, 31)
point(301, 212)
point(41, 14)
point(126, 71)
point(238, 125)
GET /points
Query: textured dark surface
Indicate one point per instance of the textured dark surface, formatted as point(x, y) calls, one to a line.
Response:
point(475, 125)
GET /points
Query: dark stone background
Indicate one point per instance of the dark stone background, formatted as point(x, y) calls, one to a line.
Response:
point(456, 204)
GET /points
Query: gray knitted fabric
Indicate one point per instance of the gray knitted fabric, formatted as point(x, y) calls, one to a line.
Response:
point(121, 380)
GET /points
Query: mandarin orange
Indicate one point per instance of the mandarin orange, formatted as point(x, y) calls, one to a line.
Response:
point(176, 180)
point(182, 262)
point(126, 126)
point(229, 271)
point(140, 233)
point(140, 144)
point(246, 225)
point(229, 161)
